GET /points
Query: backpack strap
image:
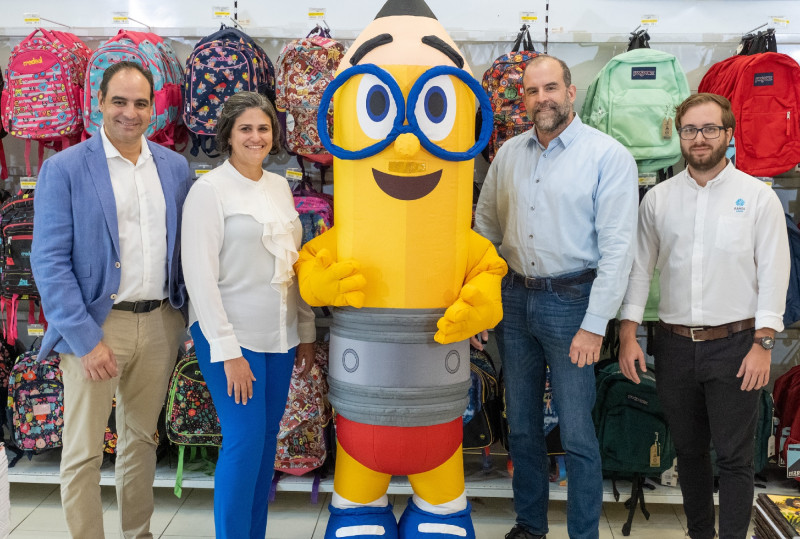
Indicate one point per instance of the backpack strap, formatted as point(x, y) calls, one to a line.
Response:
point(27, 157)
point(3, 166)
point(178, 490)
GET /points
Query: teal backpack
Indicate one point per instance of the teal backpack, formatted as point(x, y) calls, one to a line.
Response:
point(633, 99)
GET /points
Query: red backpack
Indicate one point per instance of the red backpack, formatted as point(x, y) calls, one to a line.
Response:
point(786, 393)
point(764, 91)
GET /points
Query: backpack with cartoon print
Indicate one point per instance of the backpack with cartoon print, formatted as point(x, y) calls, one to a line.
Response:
point(503, 84)
point(221, 64)
point(305, 68)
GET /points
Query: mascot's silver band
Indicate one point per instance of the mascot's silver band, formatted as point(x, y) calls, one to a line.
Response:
point(372, 349)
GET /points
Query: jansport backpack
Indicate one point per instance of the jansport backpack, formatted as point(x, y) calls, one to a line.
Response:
point(632, 432)
point(43, 97)
point(305, 67)
point(482, 416)
point(764, 91)
point(221, 64)
point(36, 402)
point(503, 84)
point(151, 52)
point(633, 99)
point(191, 417)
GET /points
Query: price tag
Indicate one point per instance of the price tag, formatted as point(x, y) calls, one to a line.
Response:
point(31, 19)
point(778, 21)
point(647, 179)
point(220, 12)
point(649, 21)
point(666, 129)
point(27, 182)
point(766, 179)
point(199, 170)
point(655, 454)
point(316, 13)
point(35, 330)
point(294, 174)
point(120, 18)
point(527, 17)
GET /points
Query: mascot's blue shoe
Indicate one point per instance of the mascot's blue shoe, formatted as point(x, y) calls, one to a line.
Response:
point(362, 523)
point(418, 524)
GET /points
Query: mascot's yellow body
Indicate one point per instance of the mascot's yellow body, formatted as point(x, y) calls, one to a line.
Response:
point(407, 269)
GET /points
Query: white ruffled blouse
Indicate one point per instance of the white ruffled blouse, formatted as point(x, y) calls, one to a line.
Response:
point(239, 239)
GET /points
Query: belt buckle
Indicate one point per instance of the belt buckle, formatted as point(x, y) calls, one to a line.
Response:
point(691, 332)
point(530, 282)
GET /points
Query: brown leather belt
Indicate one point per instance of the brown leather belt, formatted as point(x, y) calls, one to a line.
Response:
point(139, 307)
point(709, 333)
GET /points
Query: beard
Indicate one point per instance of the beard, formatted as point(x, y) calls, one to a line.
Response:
point(550, 117)
point(704, 164)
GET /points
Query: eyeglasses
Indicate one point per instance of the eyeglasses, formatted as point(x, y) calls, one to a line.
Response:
point(381, 111)
point(709, 131)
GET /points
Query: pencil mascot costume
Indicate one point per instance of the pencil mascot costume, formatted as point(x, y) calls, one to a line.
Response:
point(410, 279)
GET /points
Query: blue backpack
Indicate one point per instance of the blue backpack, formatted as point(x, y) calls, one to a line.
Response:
point(221, 64)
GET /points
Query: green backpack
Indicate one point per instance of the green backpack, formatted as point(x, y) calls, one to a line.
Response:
point(633, 99)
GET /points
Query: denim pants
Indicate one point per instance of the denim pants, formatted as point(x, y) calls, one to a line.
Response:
point(246, 461)
point(703, 402)
point(536, 331)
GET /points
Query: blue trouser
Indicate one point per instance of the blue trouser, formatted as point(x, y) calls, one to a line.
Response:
point(537, 330)
point(249, 435)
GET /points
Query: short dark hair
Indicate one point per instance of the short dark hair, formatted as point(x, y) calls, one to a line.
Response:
point(113, 69)
point(565, 72)
point(235, 107)
point(728, 119)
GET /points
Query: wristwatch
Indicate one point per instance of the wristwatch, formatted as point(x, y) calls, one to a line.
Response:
point(767, 343)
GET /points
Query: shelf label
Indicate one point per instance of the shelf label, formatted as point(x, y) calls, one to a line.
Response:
point(527, 17)
point(294, 174)
point(31, 19)
point(35, 330)
point(778, 21)
point(647, 179)
point(649, 21)
point(120, 18)
point(27, 182)
point(220, 12)
point(316, 13)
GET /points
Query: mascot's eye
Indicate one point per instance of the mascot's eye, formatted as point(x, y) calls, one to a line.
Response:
point(375, 107)
point(436, 108)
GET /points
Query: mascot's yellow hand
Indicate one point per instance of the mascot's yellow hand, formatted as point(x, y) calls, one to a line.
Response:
point(471, 313)
point(334, 283)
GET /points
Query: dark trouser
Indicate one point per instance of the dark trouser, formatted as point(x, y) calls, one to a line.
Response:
point(703, 402)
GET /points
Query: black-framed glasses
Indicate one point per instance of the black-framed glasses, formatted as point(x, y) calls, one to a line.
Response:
point(709, 131)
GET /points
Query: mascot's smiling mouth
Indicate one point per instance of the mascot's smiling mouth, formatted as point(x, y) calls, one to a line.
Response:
point(406, 187)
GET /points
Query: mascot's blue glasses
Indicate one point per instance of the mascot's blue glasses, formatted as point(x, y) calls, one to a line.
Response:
point(430, 110)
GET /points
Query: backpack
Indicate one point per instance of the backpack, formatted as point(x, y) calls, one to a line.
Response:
point(151, 52)
point(632, 432)
point(792, 312)
point(764, 91)
point(314, 209)
point(482, 416)
point(3, 132)
point(503, 84)
point(305, 67)
point(786, 392)
point(36, 402)
point(43, 99)
point(191, 418)
point(16, 280)
point(221, 64)
point(633, 99)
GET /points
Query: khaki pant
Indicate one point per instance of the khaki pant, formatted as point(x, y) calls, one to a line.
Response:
point(145, 347)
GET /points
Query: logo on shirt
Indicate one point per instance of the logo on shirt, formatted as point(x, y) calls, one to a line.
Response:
point(739, 207)
point(643, 73)
point(763, 79)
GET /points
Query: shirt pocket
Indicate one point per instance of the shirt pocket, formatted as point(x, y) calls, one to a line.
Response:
point(734, 234)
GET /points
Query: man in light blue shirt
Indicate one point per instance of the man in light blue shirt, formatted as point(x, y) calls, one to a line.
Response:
point(560, 203)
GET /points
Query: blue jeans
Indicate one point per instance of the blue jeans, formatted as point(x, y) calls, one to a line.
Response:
point(536, 331)
point(246, 461)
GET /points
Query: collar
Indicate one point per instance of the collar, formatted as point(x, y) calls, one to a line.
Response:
point(716, 179)
point(566, 137)
point(111, 150)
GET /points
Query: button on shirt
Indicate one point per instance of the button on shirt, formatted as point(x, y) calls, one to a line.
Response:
point(142, 224)
point(722, 251)
point(566, 208)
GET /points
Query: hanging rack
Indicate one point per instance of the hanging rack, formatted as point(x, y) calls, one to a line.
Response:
point(140, 22)
point(55, 22)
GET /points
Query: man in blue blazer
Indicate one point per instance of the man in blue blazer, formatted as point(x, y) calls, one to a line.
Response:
point(106, 260)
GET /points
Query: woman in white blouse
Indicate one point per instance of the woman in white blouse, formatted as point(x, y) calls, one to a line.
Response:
point(240, 237)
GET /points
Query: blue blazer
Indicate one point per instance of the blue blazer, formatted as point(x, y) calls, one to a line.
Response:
point(76, 241)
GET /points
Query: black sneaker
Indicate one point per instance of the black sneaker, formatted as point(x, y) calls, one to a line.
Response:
point(518, 532)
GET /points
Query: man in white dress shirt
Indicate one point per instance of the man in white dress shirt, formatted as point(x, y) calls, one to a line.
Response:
point(106, 261)
point(719, 238)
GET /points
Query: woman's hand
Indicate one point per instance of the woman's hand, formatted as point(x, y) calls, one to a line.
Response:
point(304, 358)
point(240, 379)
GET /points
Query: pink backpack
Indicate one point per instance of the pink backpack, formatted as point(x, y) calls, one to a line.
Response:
point(43, 97)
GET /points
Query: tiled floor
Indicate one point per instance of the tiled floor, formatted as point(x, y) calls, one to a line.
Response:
point(36, 514)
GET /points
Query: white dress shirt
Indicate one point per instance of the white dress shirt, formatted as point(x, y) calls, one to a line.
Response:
point(722, 250)
point(142, 224)
point(239, 239)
